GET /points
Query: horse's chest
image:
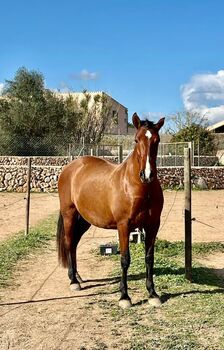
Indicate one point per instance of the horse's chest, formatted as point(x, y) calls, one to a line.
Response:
point(139, 210)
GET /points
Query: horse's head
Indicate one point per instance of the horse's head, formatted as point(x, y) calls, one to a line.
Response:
point(147, 141)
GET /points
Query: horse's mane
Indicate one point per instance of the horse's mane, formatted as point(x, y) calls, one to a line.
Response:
point(147, 123)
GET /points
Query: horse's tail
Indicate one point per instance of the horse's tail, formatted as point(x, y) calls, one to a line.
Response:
point(62, 251)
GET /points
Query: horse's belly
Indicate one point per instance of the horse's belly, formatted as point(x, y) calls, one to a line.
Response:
point(96, 211)
point(98, 219)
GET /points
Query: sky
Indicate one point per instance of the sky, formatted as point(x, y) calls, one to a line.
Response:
point(156, 57)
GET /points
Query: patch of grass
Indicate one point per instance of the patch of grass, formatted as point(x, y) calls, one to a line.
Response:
point(191, 315)
point(20, 246)
point(207, 248)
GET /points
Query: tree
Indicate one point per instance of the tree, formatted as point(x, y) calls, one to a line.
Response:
point(183, 119)
point(89, 117)
point(191, 126)
point(29, 114)
point(94, 117)
point(35, 121)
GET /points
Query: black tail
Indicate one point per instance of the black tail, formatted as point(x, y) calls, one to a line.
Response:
point(62, 251)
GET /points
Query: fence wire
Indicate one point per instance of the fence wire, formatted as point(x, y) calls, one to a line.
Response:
point(169, 154)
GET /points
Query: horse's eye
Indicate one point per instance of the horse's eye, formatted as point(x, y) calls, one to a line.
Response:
point(136, 141)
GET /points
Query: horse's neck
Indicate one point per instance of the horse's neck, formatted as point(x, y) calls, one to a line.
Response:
point(132, 167)
point(132, 172)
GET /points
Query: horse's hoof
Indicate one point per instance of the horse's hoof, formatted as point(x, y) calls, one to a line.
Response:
point(125, 303)
point(156, 302)
point(75, 287)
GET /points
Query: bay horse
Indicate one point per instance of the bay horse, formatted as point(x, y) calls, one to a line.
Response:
point(126, 196)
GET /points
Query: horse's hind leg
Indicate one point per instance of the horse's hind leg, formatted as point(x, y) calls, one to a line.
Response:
point(71, 227)
point(66, 241)
point(80, 226)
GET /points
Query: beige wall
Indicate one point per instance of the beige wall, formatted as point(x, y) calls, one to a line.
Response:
point(120, 127)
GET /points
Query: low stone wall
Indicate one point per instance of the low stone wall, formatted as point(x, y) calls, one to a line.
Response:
point(44, 175)
point(43, 179)
point(46, 161)
point(202, 177)
point(179, 160)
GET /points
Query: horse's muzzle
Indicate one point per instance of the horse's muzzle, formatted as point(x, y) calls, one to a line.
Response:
point(143, 177)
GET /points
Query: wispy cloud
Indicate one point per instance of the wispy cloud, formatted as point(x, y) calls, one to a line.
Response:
point(85, 75)
point(153, 116)
point(204, 93)
point(1, 87)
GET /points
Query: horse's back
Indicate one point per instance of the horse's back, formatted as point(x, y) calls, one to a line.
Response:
point(86, 166)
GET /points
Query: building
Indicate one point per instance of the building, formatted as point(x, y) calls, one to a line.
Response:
point(118, 120)
point(217, 128)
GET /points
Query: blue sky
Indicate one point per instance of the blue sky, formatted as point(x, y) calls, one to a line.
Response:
point(156, 57)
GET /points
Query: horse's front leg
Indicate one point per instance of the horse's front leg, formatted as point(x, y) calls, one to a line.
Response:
point(125, 301)
point(150, 236)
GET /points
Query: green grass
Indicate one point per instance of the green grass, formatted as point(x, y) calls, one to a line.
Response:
point(20, 246)
point(191, 316)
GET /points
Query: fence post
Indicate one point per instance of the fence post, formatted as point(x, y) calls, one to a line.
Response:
point(83, 145)
point(120, 154)
point(28, 196)
point(198, 153)
point(187, 214)
point(69, 150)
point(161, 154)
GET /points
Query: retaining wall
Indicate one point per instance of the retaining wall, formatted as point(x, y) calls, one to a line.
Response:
point(45, 172)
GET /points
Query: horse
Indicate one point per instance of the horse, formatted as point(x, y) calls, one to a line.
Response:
point(126, 196)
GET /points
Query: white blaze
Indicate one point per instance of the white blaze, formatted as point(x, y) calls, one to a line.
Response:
point(147, 168)
point(148, 134)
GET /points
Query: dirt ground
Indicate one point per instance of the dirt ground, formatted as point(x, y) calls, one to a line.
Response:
point(40, 312)
point(207, 214)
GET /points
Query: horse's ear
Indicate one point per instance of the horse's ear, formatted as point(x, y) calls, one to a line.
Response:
point(160, 124)
point(136, 121)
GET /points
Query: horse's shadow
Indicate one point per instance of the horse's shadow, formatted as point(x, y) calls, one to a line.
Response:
point(200, 275)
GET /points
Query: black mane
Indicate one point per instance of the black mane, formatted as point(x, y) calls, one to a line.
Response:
point(147, 123)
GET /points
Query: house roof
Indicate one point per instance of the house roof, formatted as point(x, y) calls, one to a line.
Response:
point(215, 126)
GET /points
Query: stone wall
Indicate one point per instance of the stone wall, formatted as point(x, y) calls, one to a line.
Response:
point(46, 170)
point(202, 177)
point(46, 161)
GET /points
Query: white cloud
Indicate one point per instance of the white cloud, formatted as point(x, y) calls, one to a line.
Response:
point(1, 87)
point(152, 116)
point(205, 94)
point(85, 75)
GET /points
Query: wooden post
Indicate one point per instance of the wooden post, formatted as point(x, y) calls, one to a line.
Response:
point(120, 154)
point(28, 195)
point(69, 150)
point(91, 151)
point(187, 214)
